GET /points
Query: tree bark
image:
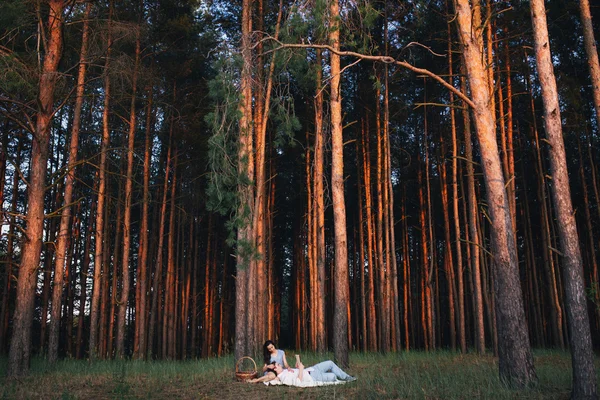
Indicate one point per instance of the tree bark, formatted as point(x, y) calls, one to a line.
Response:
point(20, 347)
point(515, 358)
point(473, 231)
point(63, 235)
point(243, 305)
point(341, 285)
point(584, 376)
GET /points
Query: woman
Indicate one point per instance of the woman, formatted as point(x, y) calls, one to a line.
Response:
point(272, 355)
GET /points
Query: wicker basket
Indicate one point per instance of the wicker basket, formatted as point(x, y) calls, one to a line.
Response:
point(241, 376)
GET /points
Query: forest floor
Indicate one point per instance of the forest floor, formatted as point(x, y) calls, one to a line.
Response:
point(412, 375)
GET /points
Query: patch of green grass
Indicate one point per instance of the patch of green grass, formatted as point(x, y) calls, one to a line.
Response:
point(404, 375)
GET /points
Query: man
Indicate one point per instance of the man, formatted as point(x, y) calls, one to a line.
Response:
point(325, 372)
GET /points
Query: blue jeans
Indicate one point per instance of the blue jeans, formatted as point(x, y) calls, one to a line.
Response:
point(327, 371)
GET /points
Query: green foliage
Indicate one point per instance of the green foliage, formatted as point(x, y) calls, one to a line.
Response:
point(225, 180)
point(592, 294)
point(285, 121)
point(16, 78)
point(14, 14)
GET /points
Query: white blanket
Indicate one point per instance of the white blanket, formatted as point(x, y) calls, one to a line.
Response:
point(276, 382)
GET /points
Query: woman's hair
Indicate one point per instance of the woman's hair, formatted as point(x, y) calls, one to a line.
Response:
point(266, 353)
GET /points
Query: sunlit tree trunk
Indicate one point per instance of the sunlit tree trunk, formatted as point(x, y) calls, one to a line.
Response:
point(340, 274)
point(20, 347)
point(448, 258)
point(362, 321)
point(372, 334)
point(459, 257)
point(320, 210)
point(515, 358)
point(473, 231)
point(243, 305)
point(511, 188)
point(406, 301)
point(168, 338)
point(425, 274)
point(65, 219)
point(584, 376)
point(380, 264)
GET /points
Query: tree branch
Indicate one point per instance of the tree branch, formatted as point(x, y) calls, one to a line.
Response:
point(383, 59)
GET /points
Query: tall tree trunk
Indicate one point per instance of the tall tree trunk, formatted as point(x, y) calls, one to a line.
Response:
point(448, 259)
point(584, 376)
point(105, 296)
point(592, 261)
point(83, 275)
point(380, 265)
point(141, 311)
point(515, 358)
point(459, 260)
point(206, 327)
point(511, 188)
point(169, 338)
point(362, 320)
point(65, 219)
point(473, 231)
point(100, 207)
point(320, 210)
point(20, 347)
point(555, 307)
point(340, 275)
point(124, 300)
point(425, 272)
point(406, 275)
point(372, 334)
point(157, 284)
point(243, 305)
point(114, 298)
point(46, 271)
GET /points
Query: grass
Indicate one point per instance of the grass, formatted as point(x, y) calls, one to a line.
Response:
point(412, 375)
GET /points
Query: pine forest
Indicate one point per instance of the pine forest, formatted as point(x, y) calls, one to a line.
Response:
point(185, 179)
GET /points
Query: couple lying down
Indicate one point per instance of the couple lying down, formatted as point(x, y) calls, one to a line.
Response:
point(323, 373)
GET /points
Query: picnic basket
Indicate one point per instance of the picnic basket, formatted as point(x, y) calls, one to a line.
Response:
point(241, 376)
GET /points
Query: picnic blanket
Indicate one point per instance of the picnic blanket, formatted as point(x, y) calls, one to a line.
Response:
point(277, 382)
